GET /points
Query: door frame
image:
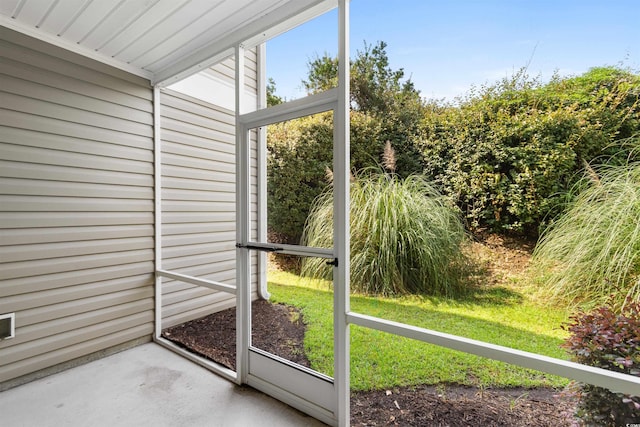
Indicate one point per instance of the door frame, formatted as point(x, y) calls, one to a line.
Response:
point(327, 401)
point(305, 389)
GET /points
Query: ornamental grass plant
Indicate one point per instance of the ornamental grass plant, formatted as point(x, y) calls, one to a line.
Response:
point(405, 236)
point(593, 250)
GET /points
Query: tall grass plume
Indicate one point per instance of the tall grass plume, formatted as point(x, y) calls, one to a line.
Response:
point(593, 250)
point(405, 237)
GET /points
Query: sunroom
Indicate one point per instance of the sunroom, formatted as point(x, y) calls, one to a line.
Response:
point(133, 155)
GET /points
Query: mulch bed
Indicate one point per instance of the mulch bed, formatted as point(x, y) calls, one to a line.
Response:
point(276, 328)
point(279, 329)
point(454, 405)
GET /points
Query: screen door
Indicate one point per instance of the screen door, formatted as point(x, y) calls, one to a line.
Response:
point(289, 380)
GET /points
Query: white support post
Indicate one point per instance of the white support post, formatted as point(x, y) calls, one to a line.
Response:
point(263, 292)
point(157, 171)
point(243, 217)
point(341, 165)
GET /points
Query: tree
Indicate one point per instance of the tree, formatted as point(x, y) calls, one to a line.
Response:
point(322, 74)
point(386, 108)
point(375, 86)
point(272, 98)
point(377, 90)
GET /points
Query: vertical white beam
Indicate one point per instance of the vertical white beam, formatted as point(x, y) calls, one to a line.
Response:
point(341, 145)
point(262, 173)
point(243, 217)
point(157, 172)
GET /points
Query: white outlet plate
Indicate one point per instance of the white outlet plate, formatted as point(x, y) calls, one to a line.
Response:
point(7, 326)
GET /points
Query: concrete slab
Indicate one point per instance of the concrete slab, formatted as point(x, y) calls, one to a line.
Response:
point(144, 386)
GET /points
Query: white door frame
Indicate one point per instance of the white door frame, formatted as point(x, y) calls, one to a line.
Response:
point(309, 391)
point(302, 388)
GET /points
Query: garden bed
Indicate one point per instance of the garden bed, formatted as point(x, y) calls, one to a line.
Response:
point(280, 329)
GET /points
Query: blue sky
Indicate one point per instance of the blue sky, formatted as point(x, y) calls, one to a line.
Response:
point(448, 45)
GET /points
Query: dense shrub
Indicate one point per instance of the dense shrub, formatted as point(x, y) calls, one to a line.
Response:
point(299, 154)
point(385, 107)
point(507, 155)
point(610, 341)
point(405, 237)
point(510, 151)
point(593, 250)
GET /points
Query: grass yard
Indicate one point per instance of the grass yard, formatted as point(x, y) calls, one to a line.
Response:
point(501, 313)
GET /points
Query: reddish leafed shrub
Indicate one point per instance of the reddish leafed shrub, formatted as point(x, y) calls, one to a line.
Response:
point(610, 340)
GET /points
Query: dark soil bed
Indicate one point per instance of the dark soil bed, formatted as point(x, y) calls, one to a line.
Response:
point(276, 328)
point(280, 330)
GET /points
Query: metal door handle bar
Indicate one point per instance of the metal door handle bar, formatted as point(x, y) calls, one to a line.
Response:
point(282, 248)
point(265, 248)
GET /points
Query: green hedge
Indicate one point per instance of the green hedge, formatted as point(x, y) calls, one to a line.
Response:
point(301, 151)
point(508, 154)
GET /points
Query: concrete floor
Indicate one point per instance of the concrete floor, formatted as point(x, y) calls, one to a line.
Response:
point(144, 386)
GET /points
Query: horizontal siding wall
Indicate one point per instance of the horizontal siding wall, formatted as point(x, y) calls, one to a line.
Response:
point(216, 85)
point(76, 205)
point(225, 70)
point(198, 205)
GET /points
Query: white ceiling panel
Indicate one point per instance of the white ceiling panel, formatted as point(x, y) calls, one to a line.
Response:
point(85, 20)
point(31, 13)
point(176, 30)
point(115, 22)
point(58, 18)
point(162, 40)
point(151, 19)
point(7, 7)
point(220, 20)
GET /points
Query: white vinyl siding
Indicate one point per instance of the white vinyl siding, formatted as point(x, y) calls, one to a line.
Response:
point(198, 200)
point(216, 85)
point(76, 205)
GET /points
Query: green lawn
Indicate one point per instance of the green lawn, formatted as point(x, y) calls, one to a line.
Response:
point(380, 360)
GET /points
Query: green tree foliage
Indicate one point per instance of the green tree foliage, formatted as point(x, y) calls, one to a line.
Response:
point(384, 108)
point(272, 98)
point(300, 153)
point(322, 74)
point(379, 91)
point(509, 152)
